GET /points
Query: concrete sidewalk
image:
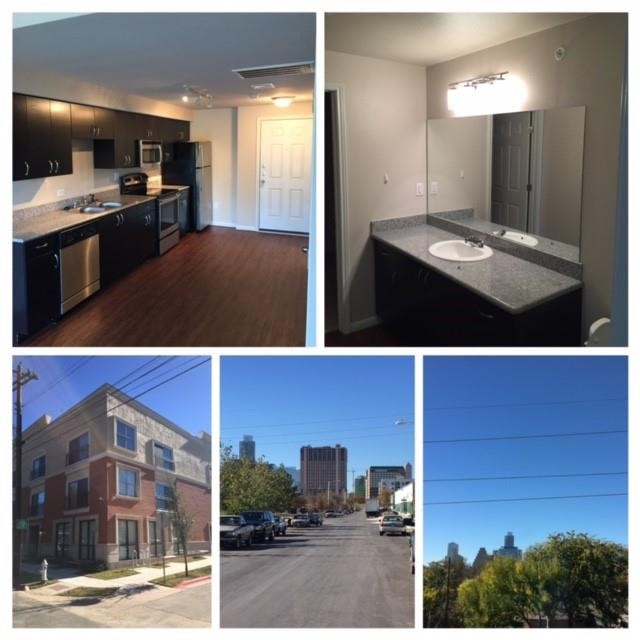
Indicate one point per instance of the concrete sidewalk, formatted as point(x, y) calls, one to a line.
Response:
point(142, 576)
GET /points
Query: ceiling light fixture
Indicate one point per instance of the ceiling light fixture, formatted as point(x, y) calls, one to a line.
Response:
point(479, 80)
point(282, 101)
point(201, 96)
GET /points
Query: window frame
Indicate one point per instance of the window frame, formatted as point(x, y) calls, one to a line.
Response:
point(160, 460)
point(68, 505)
point(43, 470)
point(39, 512)
point(116, 435)
point(120, 468)
point(168, 501)
point(88, 448)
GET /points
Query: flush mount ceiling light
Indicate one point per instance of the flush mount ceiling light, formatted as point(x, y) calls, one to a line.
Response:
point(282, 101)
point(201, 97)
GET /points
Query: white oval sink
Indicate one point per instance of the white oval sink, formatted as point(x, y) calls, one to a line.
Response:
point(520, 238)
point(459, 251)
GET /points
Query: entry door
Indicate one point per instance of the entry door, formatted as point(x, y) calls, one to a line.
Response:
point(510, 169)
point(285, 174)
point(63, 539)
point(87, 543)
point(128, 539)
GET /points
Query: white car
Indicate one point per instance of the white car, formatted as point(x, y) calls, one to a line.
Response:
point(300, 520)
point(392, 525)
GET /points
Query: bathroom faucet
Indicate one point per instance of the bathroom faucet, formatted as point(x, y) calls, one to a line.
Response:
point(474, 241)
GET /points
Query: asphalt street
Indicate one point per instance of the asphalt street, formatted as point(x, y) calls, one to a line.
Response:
point(341, 574)
point(160, 607)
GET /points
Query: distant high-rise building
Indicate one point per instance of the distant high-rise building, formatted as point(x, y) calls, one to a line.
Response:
point(248, 448)
point(408, 471)
point(376, 474)
point(509, 550)
point(452, 550)
point(481, 561)
point(295, 475)
point(359, 486)
point(323, 469)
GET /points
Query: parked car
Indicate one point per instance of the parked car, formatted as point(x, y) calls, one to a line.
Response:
point(300, 520)
point(234, 531)
point(315, 519)
point(263, 523)
point(279, 525)
point(412, 552)
point(329, 514)
point(392, 525)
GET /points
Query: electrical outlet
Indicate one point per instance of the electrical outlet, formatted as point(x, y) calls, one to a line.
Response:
point(419, 188)
point(60, 193)
point(115, 177)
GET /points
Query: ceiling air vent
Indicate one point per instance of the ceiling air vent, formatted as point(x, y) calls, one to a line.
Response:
point(295, 68)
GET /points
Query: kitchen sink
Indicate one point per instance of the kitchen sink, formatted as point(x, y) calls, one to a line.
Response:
point(111, 204)
point(93, 209)
point(459, 251)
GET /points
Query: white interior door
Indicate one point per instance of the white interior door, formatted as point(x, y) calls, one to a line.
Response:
point(285, 174)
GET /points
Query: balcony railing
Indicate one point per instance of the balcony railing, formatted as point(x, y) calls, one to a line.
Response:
point(77, 455)
point(163, 463)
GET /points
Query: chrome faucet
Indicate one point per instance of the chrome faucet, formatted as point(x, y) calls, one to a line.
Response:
point(474, 241)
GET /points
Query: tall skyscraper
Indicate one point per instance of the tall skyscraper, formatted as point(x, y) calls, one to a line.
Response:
point(376, 474)
point(359, 486)
point(323, 469)
point(247, 448)
point(509, 550)
point(452, 550)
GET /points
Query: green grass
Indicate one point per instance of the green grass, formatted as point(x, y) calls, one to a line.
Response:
point(176, 578)
point(112, 574)
point(89, 592)
point(33, 580)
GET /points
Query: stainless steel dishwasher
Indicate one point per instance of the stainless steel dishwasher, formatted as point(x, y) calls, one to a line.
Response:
point(79, 265)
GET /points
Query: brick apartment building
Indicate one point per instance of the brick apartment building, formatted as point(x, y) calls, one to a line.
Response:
point(323, 469)
point(98, 482)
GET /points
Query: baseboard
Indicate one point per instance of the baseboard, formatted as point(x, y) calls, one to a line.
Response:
point(365, 323)
point(242, 227)
point(223, 224)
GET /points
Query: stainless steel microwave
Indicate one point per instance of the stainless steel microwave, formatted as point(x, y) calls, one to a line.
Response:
point(149, 153)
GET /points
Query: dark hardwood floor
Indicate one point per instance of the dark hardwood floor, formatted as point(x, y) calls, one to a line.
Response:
point(219, 287)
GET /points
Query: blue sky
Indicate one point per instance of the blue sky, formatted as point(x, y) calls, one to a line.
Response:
point(286, 402)
point(555, 395)
point(64, 380)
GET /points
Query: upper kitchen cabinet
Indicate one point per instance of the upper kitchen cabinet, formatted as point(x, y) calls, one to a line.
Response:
point(120, 151)
point(91, 122)
point(174, 130)
point(147, 127)
point(41, 138)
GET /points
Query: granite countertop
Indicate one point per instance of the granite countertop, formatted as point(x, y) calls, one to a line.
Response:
point(511, 283)
point(58, 219)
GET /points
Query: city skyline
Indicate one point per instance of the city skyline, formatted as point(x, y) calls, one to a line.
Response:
point(505, 446)
point(287, 402)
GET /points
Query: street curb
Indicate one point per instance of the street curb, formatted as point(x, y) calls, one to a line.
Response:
point(192, 582)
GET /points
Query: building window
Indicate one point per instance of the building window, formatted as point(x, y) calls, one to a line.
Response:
point(78, 494)
point(154, 538)
point(38, 467)
point(63, 536)
point(87, 545)
point(125, 436)
point(163, 457)
point(128, 539)
point(78, 448)
point(128, 482)
point(37, 504)
point(164, 497)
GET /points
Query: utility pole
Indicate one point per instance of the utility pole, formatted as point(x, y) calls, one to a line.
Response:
point(446, 598)
point(22, 378)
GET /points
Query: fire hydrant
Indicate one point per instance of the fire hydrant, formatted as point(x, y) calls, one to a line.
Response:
point(43, 570)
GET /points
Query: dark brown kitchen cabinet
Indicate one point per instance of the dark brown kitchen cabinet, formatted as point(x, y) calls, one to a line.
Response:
point(91, 122)
point(36, 285)
point(41, 138)
point(147, 127)
point(119, 152)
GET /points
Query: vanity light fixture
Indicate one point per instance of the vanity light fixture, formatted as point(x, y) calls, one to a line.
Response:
point(282, 101)
point(491, 93)
point(474, 83)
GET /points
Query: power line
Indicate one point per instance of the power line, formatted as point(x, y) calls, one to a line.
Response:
point(527, 499)
point(546, 475)
point(71, 370)
point(328, 421)
point(570, 434)
point(521, 404)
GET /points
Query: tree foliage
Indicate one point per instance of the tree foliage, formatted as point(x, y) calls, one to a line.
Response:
point(439, 608)
point(246, 485)
point(182, 521)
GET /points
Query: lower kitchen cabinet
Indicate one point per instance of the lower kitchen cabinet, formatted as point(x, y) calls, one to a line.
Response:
point(127, 239)
point(427, 309)
point(36, 285)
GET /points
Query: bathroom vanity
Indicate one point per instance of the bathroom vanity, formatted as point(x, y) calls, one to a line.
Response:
point(500, 300)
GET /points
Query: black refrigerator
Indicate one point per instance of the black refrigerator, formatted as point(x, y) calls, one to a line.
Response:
point(191, 165)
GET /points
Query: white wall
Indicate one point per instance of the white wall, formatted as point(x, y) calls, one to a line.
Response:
point(460, 145)
point(219, 126)
point(247, 159)
point(591, 74)
point(385, 132)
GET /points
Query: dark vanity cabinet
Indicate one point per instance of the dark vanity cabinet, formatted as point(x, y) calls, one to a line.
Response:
point(127, 239)
point(41, 137)
point(92, 123)
point(36, 285)
point(425, 308)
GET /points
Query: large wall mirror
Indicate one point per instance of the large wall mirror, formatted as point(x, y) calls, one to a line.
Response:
point(521, 173)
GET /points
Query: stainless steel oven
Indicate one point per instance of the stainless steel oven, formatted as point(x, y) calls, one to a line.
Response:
point(149, 154)
point(168, 220)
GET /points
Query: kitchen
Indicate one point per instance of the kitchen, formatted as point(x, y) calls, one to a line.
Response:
point(146, 212)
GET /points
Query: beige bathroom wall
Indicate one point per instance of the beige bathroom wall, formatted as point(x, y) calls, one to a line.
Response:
point(591, 74)
point(385, 133)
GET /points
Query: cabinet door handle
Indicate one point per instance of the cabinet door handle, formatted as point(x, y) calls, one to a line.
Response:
point(57, 165)
point(98, 134)
point(50, 167)
point(56, 261)
point(92, 130)
point(485, 315)
point(26, 168)
point(42, 246)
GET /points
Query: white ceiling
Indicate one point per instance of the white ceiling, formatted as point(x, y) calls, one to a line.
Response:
point(154, 54)
point(430, 38)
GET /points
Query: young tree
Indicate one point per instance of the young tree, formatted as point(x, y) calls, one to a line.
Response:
point(385, 498)
point(440, 582)
point(182, 522)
